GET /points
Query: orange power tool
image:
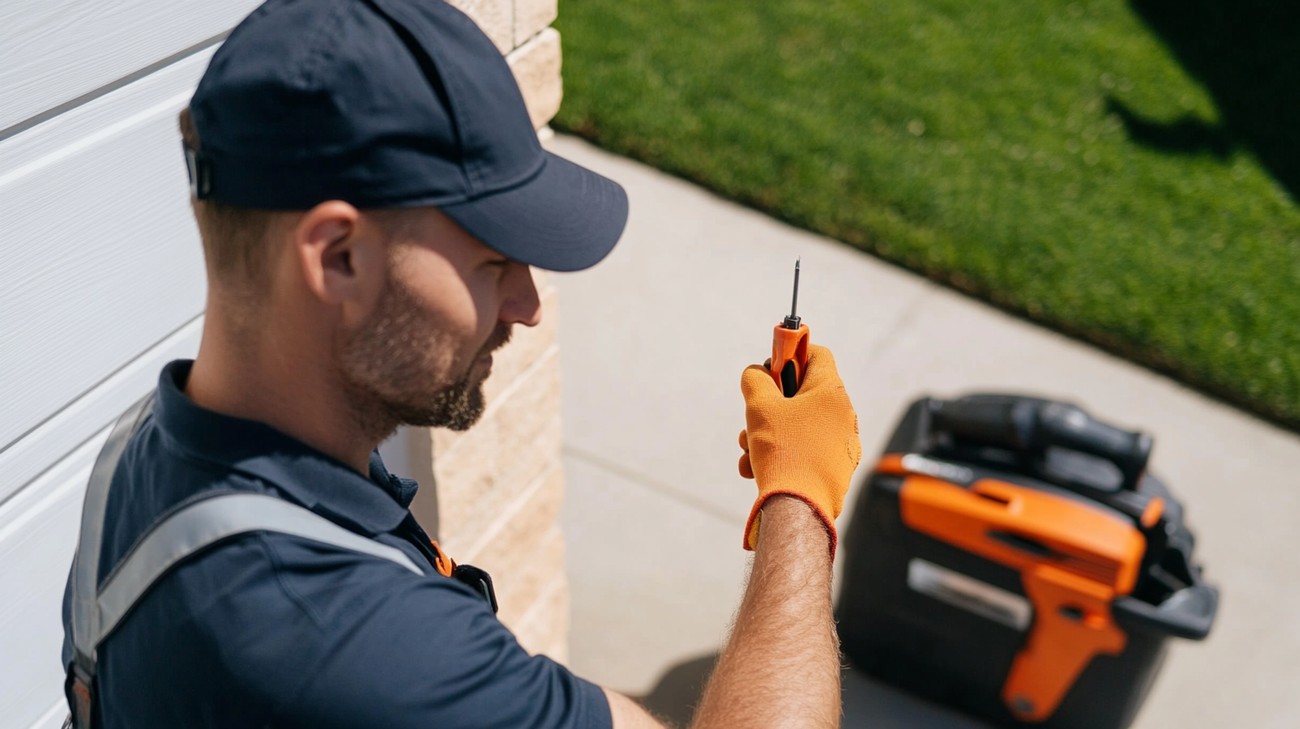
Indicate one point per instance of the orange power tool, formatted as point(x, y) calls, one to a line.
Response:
point(790, 347)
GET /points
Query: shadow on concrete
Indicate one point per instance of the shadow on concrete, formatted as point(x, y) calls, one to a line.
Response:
point(674, 698)
point(1244, 52)
point(867, 701)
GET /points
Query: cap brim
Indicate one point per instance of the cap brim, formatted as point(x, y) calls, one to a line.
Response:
point(565, 218)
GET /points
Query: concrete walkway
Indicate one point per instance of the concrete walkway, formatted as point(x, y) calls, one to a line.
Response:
point(652, 344)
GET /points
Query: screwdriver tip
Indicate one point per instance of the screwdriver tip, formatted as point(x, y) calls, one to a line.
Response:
point(792, 321)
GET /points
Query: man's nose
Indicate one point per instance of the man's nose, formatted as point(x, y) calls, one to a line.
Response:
point(522, 305)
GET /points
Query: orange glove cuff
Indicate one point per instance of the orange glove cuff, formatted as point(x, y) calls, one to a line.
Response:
point(756, 515)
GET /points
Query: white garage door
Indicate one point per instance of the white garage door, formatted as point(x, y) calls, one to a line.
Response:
point(101, 278)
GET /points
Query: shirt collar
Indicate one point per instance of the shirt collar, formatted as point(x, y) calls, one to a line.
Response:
point(313, 479)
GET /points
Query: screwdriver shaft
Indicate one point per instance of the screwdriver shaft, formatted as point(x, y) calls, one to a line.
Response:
point(792, 321)
point(794, 302)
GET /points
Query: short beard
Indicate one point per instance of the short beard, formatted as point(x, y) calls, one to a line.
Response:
point(386, 364)
point(457, 406)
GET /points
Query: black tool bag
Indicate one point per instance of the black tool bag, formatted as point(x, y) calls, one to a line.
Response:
point(1011, 556)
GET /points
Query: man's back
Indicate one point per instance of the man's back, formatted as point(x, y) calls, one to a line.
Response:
point(269, 629)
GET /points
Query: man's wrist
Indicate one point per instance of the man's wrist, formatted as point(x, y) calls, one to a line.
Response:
point(790, 520)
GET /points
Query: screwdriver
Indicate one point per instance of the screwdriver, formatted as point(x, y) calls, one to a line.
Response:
point(790, 346)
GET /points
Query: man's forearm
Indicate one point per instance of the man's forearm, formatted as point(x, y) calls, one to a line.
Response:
point(781, 665)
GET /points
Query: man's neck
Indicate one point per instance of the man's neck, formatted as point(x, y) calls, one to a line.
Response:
point(280, 386)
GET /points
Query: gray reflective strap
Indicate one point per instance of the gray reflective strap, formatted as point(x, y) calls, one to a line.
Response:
point(206, 522)
point(85, 568)
point(96, 612)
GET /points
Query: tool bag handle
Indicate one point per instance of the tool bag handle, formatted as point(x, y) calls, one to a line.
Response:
point(1033, 424)
point(1188, 613)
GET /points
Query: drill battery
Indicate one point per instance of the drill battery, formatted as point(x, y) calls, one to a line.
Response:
point(1012, 557)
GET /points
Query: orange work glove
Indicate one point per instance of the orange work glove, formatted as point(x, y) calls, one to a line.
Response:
point(804, 446)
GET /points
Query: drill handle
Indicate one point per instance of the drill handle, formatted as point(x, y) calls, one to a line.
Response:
point(1031, 424)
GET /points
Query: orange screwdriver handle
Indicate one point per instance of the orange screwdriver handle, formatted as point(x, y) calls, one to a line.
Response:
point(789, 357)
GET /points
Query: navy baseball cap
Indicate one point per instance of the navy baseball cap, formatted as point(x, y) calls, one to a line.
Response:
point(389, 104)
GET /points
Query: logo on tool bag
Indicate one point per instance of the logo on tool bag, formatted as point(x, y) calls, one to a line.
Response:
point(969, 594)
point(938, 469)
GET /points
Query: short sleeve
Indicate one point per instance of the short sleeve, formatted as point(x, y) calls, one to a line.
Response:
point(379, 646)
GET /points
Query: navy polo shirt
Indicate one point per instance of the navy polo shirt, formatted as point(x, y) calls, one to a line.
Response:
point(268, 629)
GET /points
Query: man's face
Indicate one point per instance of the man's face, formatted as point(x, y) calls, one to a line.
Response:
point(422, 355)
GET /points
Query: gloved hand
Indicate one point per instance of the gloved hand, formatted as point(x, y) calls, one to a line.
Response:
point(804, 446)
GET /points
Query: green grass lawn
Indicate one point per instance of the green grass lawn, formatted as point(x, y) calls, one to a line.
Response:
point(1123, 171)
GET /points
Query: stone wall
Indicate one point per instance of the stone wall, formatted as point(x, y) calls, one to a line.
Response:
point(497, 488)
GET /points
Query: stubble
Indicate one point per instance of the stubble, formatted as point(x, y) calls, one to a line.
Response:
point(390, 369)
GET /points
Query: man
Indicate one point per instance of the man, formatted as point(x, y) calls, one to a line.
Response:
point(371, 197)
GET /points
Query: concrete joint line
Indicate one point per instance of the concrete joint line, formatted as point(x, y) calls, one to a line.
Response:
point(650, 484)
point(530, 39)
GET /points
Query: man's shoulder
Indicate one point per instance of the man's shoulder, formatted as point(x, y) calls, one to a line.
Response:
point(153, 479)
point(258, 573)
point(259, 616)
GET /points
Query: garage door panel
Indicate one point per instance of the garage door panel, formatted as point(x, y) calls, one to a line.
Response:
point(102, 257)
point(55, 51)
point(53, 718)
point(66, 430)
point(38, 534)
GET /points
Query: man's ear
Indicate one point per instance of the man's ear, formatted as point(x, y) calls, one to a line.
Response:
point(341, 258)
